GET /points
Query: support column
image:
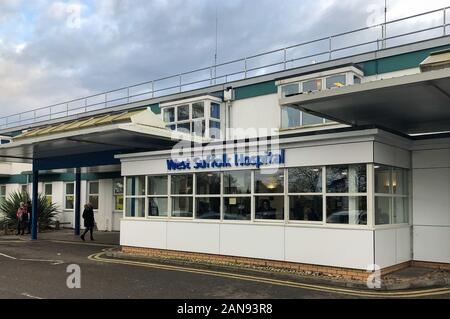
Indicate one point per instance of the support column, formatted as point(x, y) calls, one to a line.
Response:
point(34, 204)
point(77, 201)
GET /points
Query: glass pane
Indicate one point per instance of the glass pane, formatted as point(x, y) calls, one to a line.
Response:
point(184, 128)
point(136, 185)
point(135, 207)
point(207, 208)
point(181, 184)
point(306, 207)
point(290, 117)
point(70, 188)
point(182, 206)
point(93, 199)
point(383, 210)
point(158, 206)
point(305, 180)
point(198, 128)
point(356, 80)
point(93, 187)
point(69, 202)
point(208, 183)
point(2, 190)
point(238, 182)
point(269, 207)
point(48, 189)
point(309, 119)
point(269, 183)
point(290, 89)
point(382, 179)
point(347, 210)
point(198, 110)
point(312, 85)
point(336, 81)
point(401, 215)
point(118, 186)
point(214, 129)
point(237, 208)
point(183, 112)
point(347, 179)
point(172, 127)
point(169, 115)
point(118, 202)
point(215, 111)
point(157, 185)
point(400, 181)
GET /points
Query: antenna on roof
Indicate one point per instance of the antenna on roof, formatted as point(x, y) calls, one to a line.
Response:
point(385, 25)
point(215, 52)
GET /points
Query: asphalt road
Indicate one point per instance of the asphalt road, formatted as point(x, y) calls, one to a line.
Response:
point(39, 270)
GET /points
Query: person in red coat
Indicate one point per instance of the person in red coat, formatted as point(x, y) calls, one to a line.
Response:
point(21, 215)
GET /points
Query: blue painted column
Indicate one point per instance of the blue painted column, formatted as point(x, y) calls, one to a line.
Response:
point(77, 201)
point(34, 204)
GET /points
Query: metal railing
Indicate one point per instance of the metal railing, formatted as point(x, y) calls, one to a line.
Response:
point(373, 38)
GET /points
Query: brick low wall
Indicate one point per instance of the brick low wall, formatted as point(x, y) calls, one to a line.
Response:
point(345, 273)
point(428, 264)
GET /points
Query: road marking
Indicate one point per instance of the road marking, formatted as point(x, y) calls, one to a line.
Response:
point(7, 256)
point(81, 243)
point(352, 292)
point(52, 261)
point(30, 296)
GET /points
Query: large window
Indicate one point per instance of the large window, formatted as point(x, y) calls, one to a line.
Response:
point(269, 202)
point(118, 194)
point(305, 194)
point(93, 193)
point(69, 195)
point(157, 196)
point(292, 117)
point(346, 194)
point(207, 200)
point(237, 189)
point(182, 195)
point(48, 190)
point(135, 196)
point(391, 195)
point(201, 118)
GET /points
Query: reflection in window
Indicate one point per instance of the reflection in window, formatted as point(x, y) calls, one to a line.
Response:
point(135, 207)
point(136, 186)
point(158, 206)
point(169, 115)
point(198, 110)
point(290, 89)
point(266, 182)
point(312, 85)
point(157, 185)
point(181, 184)
point(305, 207)
point(336, 81)
point(182, 206)
point(269, 207)
point(237, 208)
point(290, 117)
point(237, 182)
point(309, 119)
point(347, 210)
point(208, 183)
point(183, 112)
point(207, 208)
point(118, 194)
point(93, 194)
point(383, 207)
point(215, 110)
point(347, 179)
point(382, 179)
point(305, 180)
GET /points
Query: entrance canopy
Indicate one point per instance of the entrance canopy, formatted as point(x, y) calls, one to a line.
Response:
point(411, 104)
point(88, 142)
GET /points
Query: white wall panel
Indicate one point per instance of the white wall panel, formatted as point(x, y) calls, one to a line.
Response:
point(331, 247)
point(392, 156)
point(431, 197)
point(432, 244)
point(257, 241)
point(431, 158)
point(143, 233)
point(193, 236)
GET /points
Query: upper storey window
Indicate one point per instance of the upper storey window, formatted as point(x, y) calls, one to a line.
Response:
point(326, 80)
point(201, 118)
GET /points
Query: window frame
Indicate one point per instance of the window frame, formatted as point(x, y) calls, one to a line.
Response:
point(47, 196)
point(69, 194)
point(116, 195)
point(89, 194)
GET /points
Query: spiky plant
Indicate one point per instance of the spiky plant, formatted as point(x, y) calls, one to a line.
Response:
point(46, 210)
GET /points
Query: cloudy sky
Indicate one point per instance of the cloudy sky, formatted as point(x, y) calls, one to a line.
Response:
point(51, 51)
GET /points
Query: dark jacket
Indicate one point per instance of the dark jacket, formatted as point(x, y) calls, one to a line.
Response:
point(88, 216)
